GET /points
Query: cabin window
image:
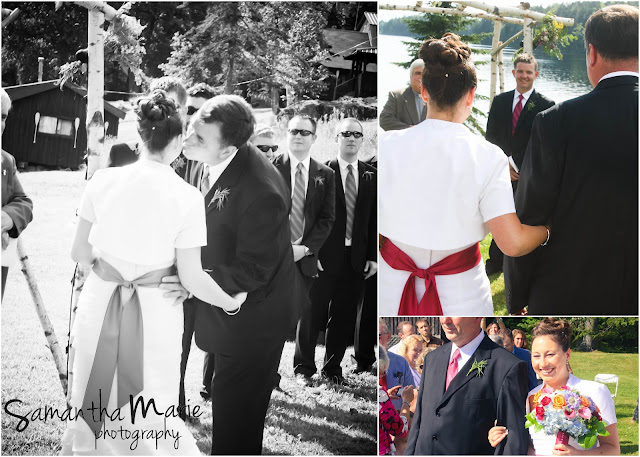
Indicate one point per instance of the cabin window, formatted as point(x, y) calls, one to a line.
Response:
point(56, 126)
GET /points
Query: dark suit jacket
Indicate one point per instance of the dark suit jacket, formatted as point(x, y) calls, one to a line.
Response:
point(319, 208)
point(525, 356)
point(400, 111)
point(458, 421)
point(14, 201)
point(248, 249)
point(121, 154)
point(581, 173)
point(499, 123)
point(363, 242)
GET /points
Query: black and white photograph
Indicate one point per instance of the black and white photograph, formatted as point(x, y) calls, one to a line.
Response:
point(189, 228)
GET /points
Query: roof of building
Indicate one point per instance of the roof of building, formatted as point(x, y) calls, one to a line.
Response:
point(343, 43)
point(372, 18)
point(27, 90)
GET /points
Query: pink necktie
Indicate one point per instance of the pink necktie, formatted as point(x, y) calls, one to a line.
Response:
point(452, 371)
point(516, 113)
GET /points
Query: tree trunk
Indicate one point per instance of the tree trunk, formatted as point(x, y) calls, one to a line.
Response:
point(528, 35)
point(497, 26)
point(95, 92)
point(228, 84)
point(41, 311)
point(588, 344)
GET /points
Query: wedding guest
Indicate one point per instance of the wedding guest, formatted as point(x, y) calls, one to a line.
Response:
point(399, 372)
point(411, 349)
point(424, 330)
point(122, 154)
point(405, 107)
point(313, 188)
point(264, 138)
point(569, 163)
point(135, 223)
point(17, 207)
point(348, 258)
point(405, 328)
point(391, 422)
point(432, 263)
point(494, 327)
point(520, 339)
point(196, 96)
point(470, 366)
point(550, 356)
point(509, 127)
point(522, 354)
point(496, 339)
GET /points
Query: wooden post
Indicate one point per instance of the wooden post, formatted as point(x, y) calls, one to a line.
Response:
point(497, 26)
point(335, 89)
point(528, 36)
point(95, 91)
point(501, 70)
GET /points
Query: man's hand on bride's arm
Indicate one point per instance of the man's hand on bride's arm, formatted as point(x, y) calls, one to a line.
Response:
point(174, 289)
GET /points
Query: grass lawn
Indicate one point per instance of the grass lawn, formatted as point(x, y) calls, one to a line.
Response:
point(587, 365)
point(325, 420)
point(496, 280)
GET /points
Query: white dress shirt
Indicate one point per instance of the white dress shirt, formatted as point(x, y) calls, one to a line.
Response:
point(516, 98)
point(467, 350)
point(620, 73)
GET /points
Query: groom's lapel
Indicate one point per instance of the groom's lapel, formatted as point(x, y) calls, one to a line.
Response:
point(229, 178)
point(461, 379)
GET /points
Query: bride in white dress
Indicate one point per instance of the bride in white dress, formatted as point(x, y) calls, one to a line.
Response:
point(550, 357)
point(135, 223)
point(442, 189)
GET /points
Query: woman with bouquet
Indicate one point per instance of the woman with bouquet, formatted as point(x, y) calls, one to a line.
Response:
point(550, 358)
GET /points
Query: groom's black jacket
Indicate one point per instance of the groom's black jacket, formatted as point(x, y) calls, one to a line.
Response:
point(248, 250)
point(457, 422)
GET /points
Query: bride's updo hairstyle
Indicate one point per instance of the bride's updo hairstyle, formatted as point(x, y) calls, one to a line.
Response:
point(448, 72)
point(159, 120)
point(558, 329)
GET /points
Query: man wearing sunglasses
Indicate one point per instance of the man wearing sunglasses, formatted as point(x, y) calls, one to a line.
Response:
point(196, 96)
point(264, 139)
point(313, 188)
point(349, 255)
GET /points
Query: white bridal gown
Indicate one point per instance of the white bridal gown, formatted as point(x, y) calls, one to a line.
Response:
point(439, 185)
point(141, 213)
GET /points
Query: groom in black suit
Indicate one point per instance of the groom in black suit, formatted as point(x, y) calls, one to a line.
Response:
point(580, 173)
point(509, 127)
point(467, 385)
point(248, 249)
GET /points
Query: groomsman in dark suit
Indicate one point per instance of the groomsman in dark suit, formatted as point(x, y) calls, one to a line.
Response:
point(405, 107)
point(312, 186)
point(580, 173)
point(347, 258)
point(509, 127)
point(467, 385)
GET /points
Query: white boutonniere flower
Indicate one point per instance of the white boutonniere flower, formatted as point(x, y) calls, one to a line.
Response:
point(219, 198)
point(318, 181)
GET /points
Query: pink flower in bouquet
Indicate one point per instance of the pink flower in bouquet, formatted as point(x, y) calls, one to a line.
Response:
point(547, 390)
point(569, 413)
point(539, 413)
point(545, 401)
point(584, 413)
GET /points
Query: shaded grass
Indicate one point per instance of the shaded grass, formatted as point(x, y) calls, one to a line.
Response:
point(296, 421)
point(496, 280)
point(587, 365)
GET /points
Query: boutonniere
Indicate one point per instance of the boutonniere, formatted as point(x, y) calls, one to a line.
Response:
point(178, 163)
point(531, 106)
point(478, 367)
point(318, 181)
point(368, 175)
point(219, 197)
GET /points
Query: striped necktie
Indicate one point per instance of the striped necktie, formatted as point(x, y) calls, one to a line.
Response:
point(516, 114)
point(205, 186)
point(297, 206)
point(350, 198)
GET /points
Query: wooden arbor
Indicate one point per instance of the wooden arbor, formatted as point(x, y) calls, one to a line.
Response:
point(520, 15)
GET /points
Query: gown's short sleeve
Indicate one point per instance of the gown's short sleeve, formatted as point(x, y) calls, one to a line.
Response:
point(496, 199)
point(193, 230)
point(87, 209)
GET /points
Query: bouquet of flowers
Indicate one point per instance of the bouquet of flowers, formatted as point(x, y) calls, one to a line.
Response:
point(566, 413)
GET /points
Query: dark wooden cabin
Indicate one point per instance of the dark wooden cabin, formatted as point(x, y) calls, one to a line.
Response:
point(53, 142)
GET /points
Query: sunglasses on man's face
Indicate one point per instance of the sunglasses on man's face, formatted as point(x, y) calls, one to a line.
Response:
point(348, 134)
point(191, 110)
point(265, 148)
point(294, 132)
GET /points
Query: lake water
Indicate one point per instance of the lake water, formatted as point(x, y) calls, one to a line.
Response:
point(559, 79)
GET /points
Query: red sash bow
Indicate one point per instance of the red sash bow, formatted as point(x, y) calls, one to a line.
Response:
point(430, 303)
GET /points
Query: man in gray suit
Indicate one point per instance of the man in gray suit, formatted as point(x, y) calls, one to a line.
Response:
point(405, 107)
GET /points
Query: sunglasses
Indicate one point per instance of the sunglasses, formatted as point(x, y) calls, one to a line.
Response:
point(348, 134)
point(191, 110)
point(265, 148)
point(294, 132)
